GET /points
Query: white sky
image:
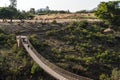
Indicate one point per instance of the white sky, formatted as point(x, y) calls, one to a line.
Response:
point(72, 5)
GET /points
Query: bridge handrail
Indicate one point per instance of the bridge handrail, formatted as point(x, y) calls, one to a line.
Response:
point(56, 68)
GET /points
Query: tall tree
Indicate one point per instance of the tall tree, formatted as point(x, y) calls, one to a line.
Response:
point(12, 13)
point(109, 11)
point(21, 15)
point(32, 10)
point(4, 13)
point(13, 3)
point(8, 13)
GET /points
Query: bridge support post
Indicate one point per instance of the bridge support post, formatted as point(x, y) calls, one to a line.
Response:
point(18, 38)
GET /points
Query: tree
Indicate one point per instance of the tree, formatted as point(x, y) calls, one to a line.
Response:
point(3, 13)
point(21, 15)
point(109, 12)
point(13, 3)
point(29, 15)
point(8, 13)
point(32, 10)
point(12, 13)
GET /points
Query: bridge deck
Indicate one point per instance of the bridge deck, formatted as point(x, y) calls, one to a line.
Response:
point(50, 68)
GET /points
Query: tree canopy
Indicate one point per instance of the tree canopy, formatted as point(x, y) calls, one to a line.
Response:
point(109, 11)
point(12, 13)
point(13, 3)
point(8, 13)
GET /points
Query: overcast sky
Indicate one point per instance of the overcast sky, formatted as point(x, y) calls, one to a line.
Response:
point(72, 5)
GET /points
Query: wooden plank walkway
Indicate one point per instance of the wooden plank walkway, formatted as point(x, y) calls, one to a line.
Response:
point(50, 68)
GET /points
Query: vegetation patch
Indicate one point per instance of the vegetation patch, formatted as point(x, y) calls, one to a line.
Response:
point(82, 48)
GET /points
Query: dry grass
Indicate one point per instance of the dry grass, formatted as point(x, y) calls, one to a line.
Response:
point(64, 16)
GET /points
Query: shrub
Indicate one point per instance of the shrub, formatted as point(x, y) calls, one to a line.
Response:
point(83, 24)
point(54, 21)
point(103, 77)
point(50, 33)
point(39, 45)
point(35, 68)
point(115, 74)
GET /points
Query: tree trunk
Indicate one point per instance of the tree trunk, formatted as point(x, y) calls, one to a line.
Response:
point(11, 20)
point(3, 19)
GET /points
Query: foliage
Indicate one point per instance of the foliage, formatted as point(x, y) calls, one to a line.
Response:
point(13, 3)
point(85, 44)
point(21, 15)
point(2, 38)
point(115, 74)
point(15, 63)
point(54, 21)
point(38, 44)
point(104, 77)
point(8, 13)
point(24, 15)
point(29, 16)
point(12, 13)
point(109, 11)
point(51, 32)
point(40, 12)
point(7, 41)
point(85, 11)
point(32, 10)
point(35, 68)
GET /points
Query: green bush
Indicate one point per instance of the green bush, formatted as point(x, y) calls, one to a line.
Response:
point(104, 77)
point(37, 44)
point(83, 24)
point(115, 74)
point(35, 68)
point(54, 22)
point(50, 33)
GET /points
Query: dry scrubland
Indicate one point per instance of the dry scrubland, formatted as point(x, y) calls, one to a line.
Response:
point(79, 47)
point(79, 43)
point(60, 18)
point(66, 16)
